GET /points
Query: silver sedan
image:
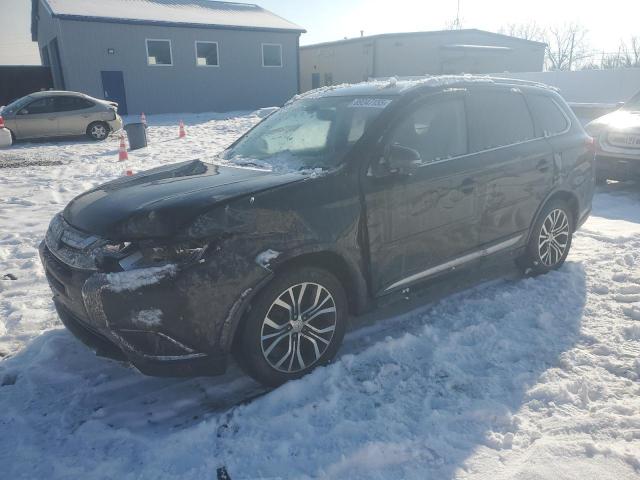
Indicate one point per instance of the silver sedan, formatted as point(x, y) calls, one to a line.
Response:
point(61, 114)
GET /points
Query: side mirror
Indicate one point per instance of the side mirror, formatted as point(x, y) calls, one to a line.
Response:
point(401, 159)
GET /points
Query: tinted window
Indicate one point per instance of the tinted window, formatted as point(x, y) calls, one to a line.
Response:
point(549, 118)
point(436, 131)
point(271, 55)
point(42, 105)
point(67, 104)
point(159, 52)
point(207, 54)
point(497, 118)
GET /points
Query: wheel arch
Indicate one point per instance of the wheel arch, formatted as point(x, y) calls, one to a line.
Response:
point(336, 264)
point(347, 274)
point(566, 196)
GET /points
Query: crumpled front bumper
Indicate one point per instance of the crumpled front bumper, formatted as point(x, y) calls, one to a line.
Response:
point(164, 321)
point(116, 125)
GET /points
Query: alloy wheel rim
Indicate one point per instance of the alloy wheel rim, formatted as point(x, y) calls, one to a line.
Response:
point(554, 237)
point(98, 131)
point(298, 327)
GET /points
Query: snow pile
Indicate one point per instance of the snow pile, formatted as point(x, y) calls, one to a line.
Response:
point(535, 378)
point(142, 277)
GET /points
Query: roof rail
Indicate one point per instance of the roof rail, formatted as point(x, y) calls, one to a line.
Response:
point(518, 81)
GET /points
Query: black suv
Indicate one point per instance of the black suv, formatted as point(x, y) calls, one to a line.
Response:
point(338, 201)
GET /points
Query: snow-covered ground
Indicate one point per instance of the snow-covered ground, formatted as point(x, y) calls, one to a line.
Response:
point(511, 379)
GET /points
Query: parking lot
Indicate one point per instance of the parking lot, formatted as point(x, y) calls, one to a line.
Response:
point(492, 376)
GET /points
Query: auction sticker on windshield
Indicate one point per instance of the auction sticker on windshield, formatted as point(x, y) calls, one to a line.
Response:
point(370, 103)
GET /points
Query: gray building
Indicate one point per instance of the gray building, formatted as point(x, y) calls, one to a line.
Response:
point(158, 56)
point(415, 54)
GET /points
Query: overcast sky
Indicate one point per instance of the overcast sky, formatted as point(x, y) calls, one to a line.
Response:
point(607, 22)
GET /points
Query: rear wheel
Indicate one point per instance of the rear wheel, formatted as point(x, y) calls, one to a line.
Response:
point(550, 239)
point(98, 130)
point(296, 324)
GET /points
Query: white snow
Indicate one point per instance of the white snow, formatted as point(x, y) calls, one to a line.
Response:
point(142, 277)
point(535, 378)
point(264, 258)
point(148, 318)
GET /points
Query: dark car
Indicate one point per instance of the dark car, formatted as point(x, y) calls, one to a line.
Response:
point(617, 141)
point(371, 189)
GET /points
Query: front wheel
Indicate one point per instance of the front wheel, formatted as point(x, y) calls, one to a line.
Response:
point(550, 239)
point(296, 324)
point(98, 130)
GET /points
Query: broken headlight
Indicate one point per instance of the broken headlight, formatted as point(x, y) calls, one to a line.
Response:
point(145, 254)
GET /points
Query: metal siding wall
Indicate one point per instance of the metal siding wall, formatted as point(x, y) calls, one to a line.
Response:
point(240, 83)
point(590, 86)
point(416, 54)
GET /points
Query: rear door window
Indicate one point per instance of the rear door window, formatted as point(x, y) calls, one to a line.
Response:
point(436, 130)
point(68, 104)
point(497, 118)
point(547, 114)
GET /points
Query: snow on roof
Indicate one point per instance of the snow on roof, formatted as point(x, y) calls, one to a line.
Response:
point(392, 86)
point(175, 12)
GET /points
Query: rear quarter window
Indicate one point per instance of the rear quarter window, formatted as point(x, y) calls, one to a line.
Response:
point(497, 118)
point(548, 116)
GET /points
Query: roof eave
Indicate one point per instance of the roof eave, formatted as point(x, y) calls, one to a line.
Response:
point(433, 32)
point(163, 23)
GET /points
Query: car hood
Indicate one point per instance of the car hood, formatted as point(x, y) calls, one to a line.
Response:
point(163, 201)
point(620, 120)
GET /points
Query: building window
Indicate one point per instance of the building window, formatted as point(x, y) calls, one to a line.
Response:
point(271, 55)
point(159, 52)
point(207, 54)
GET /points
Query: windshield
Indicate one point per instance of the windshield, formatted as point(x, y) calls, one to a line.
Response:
point(17, 104)
point(634, 103)
point(308, 133)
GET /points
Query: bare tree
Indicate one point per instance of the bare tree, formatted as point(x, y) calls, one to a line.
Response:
point(630, 53)
point(527, 31)
point(566, 46)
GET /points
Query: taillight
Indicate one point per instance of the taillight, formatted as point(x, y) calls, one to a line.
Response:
point(1, 122)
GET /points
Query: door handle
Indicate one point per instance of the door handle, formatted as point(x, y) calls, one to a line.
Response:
point(51, 118)
point(467, 185)
point(543, 165)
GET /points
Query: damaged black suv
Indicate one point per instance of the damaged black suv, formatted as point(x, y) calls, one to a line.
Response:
point(342, 199)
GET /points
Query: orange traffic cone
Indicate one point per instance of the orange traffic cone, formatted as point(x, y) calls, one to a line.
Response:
point(182, 133)
point(143, 119)
point(122, 153)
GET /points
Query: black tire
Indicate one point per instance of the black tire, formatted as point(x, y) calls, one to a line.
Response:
point(256, 336)
point(543, 256)
point(98, 131)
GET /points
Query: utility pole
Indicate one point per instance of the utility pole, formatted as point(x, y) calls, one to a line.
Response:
point(458, 16)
